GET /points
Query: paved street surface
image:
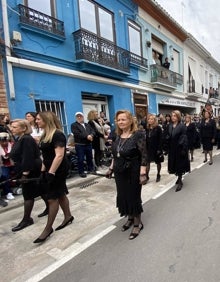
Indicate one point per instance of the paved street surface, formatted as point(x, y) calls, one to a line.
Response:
point(92, 203)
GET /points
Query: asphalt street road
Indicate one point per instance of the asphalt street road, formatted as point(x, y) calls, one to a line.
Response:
point(180, 241)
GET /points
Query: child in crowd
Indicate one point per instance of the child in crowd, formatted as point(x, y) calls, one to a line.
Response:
point(7, 165)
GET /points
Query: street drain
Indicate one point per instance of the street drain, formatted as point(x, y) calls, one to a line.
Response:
point(83, 186)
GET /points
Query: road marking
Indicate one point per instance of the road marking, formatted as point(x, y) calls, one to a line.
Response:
point(70, 253)
point(168, 187)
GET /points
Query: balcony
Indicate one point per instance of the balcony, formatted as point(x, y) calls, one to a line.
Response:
point(164, 79)
point(95, 54)
point(193, 89)
point(138, 60)
point(214, 96)
point(37, 21)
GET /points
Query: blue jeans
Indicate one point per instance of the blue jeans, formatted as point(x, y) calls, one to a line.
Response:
point(84, 152)
point(6, 174)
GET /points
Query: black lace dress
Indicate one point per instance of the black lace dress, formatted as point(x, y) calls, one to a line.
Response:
point(129, 154)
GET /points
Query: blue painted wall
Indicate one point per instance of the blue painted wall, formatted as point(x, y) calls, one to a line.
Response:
point(52, 87)
point(36, 46)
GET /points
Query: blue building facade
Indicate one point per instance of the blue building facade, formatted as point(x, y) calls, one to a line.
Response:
point(75, 61)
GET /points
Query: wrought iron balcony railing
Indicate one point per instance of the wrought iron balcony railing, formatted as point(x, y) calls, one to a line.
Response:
point(90, 47)
point(162, 75)
point(214, 95)
point(138, 60)
point(42, 21)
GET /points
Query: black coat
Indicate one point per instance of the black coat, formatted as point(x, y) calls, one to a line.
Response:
point(191, 135)
point(207, 133)
point(154, 143)
point(80, 133)
point(178, 157)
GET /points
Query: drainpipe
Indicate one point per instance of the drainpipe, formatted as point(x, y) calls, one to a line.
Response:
point(8, 50)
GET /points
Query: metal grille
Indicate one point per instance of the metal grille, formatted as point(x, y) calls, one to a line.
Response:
point(56, 107)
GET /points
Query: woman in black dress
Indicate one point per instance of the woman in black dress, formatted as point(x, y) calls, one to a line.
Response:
point(129, 167)
point(26, 155)
point(208, 133)
point(178, 157)
point(54, 171)
point(191, 134)
point(154, 145)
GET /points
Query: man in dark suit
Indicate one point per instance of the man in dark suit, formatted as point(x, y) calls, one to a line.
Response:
point(83, 136)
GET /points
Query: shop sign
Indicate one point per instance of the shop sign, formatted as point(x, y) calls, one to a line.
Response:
point(176, 102)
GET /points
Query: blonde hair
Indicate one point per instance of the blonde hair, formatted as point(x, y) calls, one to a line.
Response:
point(23, 124)
point(188, 116)
point(133, 126)
point(178, 114)
point(52, 124)
point(92, 115)
point(155, 124)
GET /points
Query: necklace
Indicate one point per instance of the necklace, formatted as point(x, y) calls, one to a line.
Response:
point(121, 143)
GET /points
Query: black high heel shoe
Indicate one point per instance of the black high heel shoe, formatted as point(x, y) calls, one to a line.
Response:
point(179, 186)
point(133, 234)
point(41, 240)
point(44, 213)
point(65, 224)
point(127, 225)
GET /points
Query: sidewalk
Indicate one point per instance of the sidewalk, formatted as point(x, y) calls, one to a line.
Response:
point(92, 202)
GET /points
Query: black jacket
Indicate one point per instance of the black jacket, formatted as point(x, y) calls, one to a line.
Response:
point(80, 133)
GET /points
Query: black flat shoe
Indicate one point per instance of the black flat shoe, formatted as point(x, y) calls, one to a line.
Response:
point(205, 161)
point(83, 175)
point(127, 225)
point(210, 163)
point(44, 213)
point(133, 234)
point(22, 225)
point(65, 224)
point(41, 240)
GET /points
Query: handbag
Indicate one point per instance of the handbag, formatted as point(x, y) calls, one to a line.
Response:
point(160, 157)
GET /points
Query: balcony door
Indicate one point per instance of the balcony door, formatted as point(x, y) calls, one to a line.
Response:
point(44, 6)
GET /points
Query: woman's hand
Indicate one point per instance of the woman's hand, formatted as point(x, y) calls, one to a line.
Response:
point(143, 179)
point(109, 173)
point(50, 177)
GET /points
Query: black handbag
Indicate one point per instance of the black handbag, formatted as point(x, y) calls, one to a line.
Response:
point(160, 157)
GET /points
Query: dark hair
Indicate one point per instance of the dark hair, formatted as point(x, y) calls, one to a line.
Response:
point(33, 114)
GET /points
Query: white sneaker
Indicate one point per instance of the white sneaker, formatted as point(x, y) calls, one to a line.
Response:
point(10, 196)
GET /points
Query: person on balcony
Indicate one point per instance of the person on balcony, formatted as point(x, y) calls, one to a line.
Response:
point(166, 64)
